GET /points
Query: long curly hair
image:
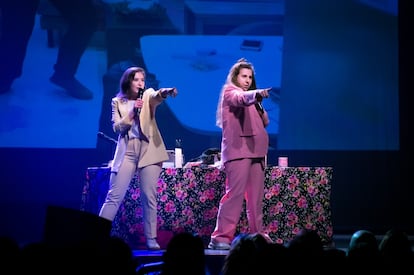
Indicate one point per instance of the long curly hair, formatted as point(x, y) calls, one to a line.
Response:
point(231, 79)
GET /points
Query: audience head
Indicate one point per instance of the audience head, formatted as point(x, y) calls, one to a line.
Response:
point(305, 244)
point(362, 243)
point(244, 255)
point(116, 257)
point(363, 252)
point(184, 255)
point(9, 253)
point(395, 243)
point(37, 257)
point(395, 249)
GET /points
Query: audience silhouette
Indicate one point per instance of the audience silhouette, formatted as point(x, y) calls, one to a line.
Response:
point(306, 248)
point(363, 252)
point(244, 255)
point(9, 254)
point(185, 254)
point(395, 250)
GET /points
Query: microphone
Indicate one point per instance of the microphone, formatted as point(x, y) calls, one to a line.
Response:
point(102, 135)
point(258, 104)
point(259, 107)
point(140, 94)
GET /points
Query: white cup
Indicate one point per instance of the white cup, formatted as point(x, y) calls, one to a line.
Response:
point(283, 162)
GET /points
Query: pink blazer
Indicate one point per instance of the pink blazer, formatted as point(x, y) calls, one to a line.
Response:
point(243, 132)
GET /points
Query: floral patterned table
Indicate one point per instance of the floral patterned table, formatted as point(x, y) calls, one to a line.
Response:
point(188, 200)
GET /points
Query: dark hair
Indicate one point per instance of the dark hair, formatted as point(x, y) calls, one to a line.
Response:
point(126, 80)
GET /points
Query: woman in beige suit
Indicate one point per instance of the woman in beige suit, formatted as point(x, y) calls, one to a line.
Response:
point(140, 147)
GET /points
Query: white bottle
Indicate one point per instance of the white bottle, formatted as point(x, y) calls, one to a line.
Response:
point(178, 154)
point(178, 158)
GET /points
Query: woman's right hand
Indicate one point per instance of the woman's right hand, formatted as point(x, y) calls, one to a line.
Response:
point(262, 93)
point(139, 103)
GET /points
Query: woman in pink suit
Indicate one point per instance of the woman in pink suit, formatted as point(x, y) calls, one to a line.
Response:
point(244, 146)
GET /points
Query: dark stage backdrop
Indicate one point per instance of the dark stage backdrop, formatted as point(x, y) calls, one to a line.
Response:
point(340, 77)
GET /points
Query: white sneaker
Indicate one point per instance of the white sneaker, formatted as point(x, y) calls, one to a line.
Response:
point(152, 244)
point(218, 246)
point(267, 237)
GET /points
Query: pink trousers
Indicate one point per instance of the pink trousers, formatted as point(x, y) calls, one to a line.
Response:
point(244, 180)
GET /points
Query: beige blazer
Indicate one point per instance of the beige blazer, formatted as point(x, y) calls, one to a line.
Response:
point(156, 151)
